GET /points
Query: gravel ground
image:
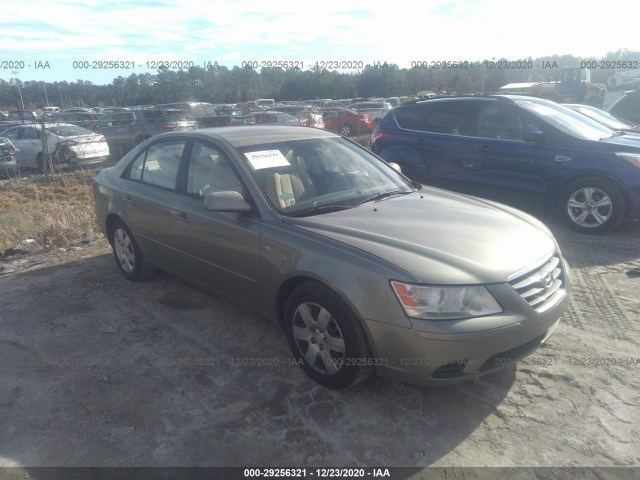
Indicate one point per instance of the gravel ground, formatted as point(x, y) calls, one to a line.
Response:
point(99, 371)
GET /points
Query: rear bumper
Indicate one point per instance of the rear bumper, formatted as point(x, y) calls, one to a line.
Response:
point(9, 166)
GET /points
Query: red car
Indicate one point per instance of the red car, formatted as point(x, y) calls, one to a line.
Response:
point(347, 122)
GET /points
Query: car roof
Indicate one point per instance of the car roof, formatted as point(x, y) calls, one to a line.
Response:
point(478, 98)
point(47, 126)
point(245, 135)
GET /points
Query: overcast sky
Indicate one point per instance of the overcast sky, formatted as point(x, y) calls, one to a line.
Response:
point(230, 32)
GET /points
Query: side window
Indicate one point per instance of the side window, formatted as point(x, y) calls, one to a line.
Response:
point(532, 123)
point(210, 171)
point(135, 170)
point(499, 122)
point(412, 118)
point(105, 121)
point(123, 119)
point(451, 119)
point(28, 134)
point(11, 134)
point(159, 164)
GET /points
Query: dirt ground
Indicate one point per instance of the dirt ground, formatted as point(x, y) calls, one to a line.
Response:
point(99, 371)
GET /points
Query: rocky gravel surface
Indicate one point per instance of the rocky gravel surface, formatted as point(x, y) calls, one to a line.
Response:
point(99, 371)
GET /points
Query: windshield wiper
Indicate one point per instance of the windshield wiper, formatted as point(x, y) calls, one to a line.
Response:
point(319, 208)
point(380, 196)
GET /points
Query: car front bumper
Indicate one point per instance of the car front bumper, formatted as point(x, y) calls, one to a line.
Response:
point(440, 352)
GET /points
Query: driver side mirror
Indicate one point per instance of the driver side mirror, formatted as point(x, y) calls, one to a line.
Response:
point(395, 166)
point(229, 201)
point(534, 136)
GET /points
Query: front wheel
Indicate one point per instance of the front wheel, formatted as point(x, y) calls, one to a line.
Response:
point(326, 337)
point(592, 205)
point(346, 130)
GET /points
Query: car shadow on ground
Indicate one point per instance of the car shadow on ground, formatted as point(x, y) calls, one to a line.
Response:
point(99, 371)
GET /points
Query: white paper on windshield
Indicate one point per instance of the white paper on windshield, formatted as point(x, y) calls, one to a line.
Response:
point(267, 159)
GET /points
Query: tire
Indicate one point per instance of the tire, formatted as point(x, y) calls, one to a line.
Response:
point(128, 256)
point(326, 337)
point(346, 130)
point(41, 166)
point(592, 205)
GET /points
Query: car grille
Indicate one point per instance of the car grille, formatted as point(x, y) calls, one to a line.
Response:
point(542, 287)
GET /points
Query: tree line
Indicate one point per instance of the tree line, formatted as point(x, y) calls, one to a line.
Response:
point(220, 84)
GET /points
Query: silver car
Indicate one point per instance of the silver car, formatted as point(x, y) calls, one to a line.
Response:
point(68, 145)
point(364, 270)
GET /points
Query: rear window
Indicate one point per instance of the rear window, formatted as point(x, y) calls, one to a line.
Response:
point(176, 115)
point(203, 110)
point(152, 114)
point(628, 107)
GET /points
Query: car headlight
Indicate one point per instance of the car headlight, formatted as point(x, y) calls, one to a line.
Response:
point(445, 302)
point(632, 158)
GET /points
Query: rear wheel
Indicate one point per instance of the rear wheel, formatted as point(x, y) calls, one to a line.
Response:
point(128, 256)
point(42, 166)
point(326, 337)
point(592, 205)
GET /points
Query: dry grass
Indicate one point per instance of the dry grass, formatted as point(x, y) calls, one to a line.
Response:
point(53, 211)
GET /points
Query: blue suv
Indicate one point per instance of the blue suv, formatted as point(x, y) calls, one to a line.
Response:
point(516, 149)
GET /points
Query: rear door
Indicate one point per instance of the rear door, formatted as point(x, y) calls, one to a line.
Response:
point(151, 197)
point(121, 131)
point(438, 132)
point(28, 140)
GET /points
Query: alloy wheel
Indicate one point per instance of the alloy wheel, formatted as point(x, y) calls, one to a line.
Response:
point(124, 250)
point(589, 207)
point(319, 338)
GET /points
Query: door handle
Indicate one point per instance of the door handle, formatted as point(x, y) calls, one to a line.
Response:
point(180, 216)
point(471, 164)
point(485, 148)
point(560, 158)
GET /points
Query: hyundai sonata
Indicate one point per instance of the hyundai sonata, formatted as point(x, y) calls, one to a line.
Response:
point(364, 270)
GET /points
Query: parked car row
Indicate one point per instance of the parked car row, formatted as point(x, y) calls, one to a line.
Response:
point(125, 127)
point(67, 144)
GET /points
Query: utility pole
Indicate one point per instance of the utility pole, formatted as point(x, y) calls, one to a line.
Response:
point(45, 93)
point(19, 91)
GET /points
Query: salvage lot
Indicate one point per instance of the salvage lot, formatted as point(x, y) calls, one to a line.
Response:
point(98, 371)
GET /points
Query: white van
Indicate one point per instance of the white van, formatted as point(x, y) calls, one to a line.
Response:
point(265, 102)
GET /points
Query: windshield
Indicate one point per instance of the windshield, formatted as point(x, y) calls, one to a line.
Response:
point(304, 177)
point(567, 120)
point(603, 117)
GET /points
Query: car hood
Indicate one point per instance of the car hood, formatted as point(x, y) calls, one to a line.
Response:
point(439, 237)
point(627, 140)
